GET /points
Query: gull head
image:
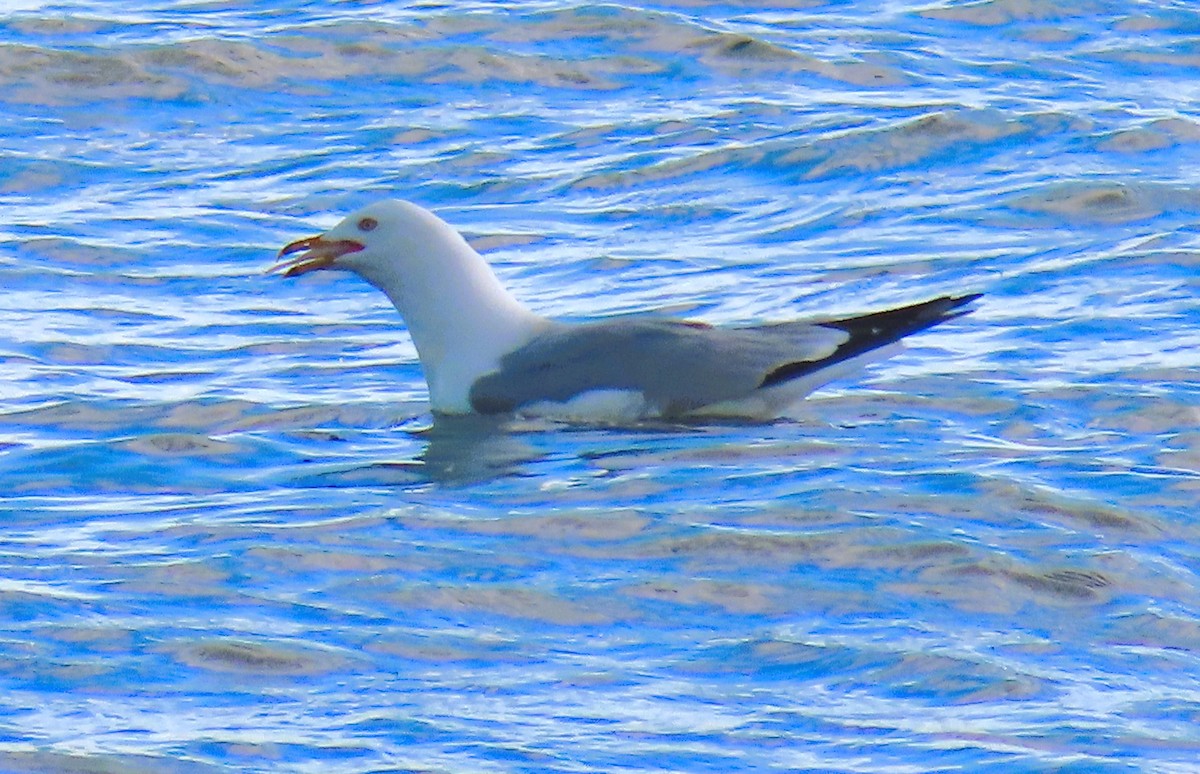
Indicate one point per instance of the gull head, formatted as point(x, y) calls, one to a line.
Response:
point(377, 233)
point(461, 318)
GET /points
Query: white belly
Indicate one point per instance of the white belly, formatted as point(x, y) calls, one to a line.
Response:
point(595, 406)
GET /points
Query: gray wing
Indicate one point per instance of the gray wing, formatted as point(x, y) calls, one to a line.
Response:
point(678, 366)
point(681, 366)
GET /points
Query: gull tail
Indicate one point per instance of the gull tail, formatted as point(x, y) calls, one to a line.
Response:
point(875, 330)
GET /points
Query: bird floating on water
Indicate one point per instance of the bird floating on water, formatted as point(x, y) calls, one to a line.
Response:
point(483, 352)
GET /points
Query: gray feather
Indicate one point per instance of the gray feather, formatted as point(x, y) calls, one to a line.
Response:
point(677, 366)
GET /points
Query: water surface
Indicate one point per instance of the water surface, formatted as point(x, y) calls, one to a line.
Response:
point(235, 540)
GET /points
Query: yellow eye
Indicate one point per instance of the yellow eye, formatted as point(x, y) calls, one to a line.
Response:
point(367, 224)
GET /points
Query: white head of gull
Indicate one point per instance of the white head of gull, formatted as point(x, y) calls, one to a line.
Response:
point(483, 352)
point(461, 319)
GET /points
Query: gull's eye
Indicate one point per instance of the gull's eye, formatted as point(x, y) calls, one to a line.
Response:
point(367, 224)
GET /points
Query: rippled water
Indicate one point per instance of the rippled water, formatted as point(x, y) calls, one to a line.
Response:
point(233, 540)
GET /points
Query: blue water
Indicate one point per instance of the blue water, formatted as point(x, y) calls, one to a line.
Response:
point(234, 540)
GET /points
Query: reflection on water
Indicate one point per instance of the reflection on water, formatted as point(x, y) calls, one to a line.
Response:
point(455, 451)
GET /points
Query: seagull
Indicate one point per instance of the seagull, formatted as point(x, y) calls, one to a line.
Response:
point(483, 352)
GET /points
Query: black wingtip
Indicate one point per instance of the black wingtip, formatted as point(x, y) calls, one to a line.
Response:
point(939, 310)
point(878, 329)
point(968, 298)
point(957, 302)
